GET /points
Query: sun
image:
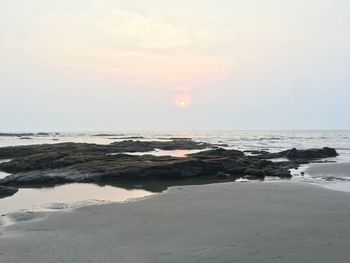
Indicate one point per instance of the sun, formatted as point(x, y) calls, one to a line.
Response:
point(182, 102)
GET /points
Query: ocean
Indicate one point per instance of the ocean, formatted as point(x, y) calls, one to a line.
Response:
point(72, 195)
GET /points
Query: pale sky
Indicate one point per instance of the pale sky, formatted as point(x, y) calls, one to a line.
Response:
point(104, 65)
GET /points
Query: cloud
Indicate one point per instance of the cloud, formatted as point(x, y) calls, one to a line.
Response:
point(125, 46)
point(181, 70)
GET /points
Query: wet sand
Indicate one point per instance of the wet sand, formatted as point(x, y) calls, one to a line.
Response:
point(334, 176)
point(330, 170)
point(247, 222)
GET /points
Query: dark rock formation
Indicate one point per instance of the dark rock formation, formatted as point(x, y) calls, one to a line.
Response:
point(311, 153)
point(108, 134)
point(220, 152)
point(6, 191)
point(56, 169)
point(116, 147)
point(300, 156)
point(43, 134)
point(16, 134)
point(52, 164)
point(28, 134)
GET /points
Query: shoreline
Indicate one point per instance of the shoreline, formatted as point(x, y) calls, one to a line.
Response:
point(315, 174)
point(212, 223)
point(64, 163)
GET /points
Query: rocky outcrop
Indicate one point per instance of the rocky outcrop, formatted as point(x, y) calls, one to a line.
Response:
point(52, 164)
point(108, 134)
point(310, 154)
point(15, 134)
point(220, 152)
point(48, 171)
point(6, 191)
point(28, 134)
point(116, 147)
point(300, 156)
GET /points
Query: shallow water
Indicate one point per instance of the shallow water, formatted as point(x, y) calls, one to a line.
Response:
point(173, 153)
point(3, 174)
point(66, 196)
point(335, 176)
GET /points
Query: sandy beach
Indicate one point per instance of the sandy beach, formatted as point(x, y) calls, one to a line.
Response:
point(247, 222)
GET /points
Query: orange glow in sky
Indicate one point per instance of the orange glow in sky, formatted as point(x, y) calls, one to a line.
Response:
point(183, 102)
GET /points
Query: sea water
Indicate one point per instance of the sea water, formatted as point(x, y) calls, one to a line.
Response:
point(273, 141)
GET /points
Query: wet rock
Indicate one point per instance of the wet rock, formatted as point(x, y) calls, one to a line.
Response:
point(108, 134)
point(53, 164)
point(145, 146)
point(48, 178)
point(301, 155)
point(311, 153)
point(255, 152)
point(220, 152)
point(223, 175)
point(43, 134)
point(89, 148)
point(15, 134)
point(6, 191)
point(47, 170)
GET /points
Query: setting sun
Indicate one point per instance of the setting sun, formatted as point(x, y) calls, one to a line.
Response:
point(182, 102)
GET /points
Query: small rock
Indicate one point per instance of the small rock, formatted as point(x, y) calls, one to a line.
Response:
point(6, 191)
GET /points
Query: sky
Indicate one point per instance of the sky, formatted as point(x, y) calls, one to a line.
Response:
point(108, 65)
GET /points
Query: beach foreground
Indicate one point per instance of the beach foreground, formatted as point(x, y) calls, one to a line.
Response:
point(248, 222)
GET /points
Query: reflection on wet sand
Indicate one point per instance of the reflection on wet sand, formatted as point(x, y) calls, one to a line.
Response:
point(36, 199)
